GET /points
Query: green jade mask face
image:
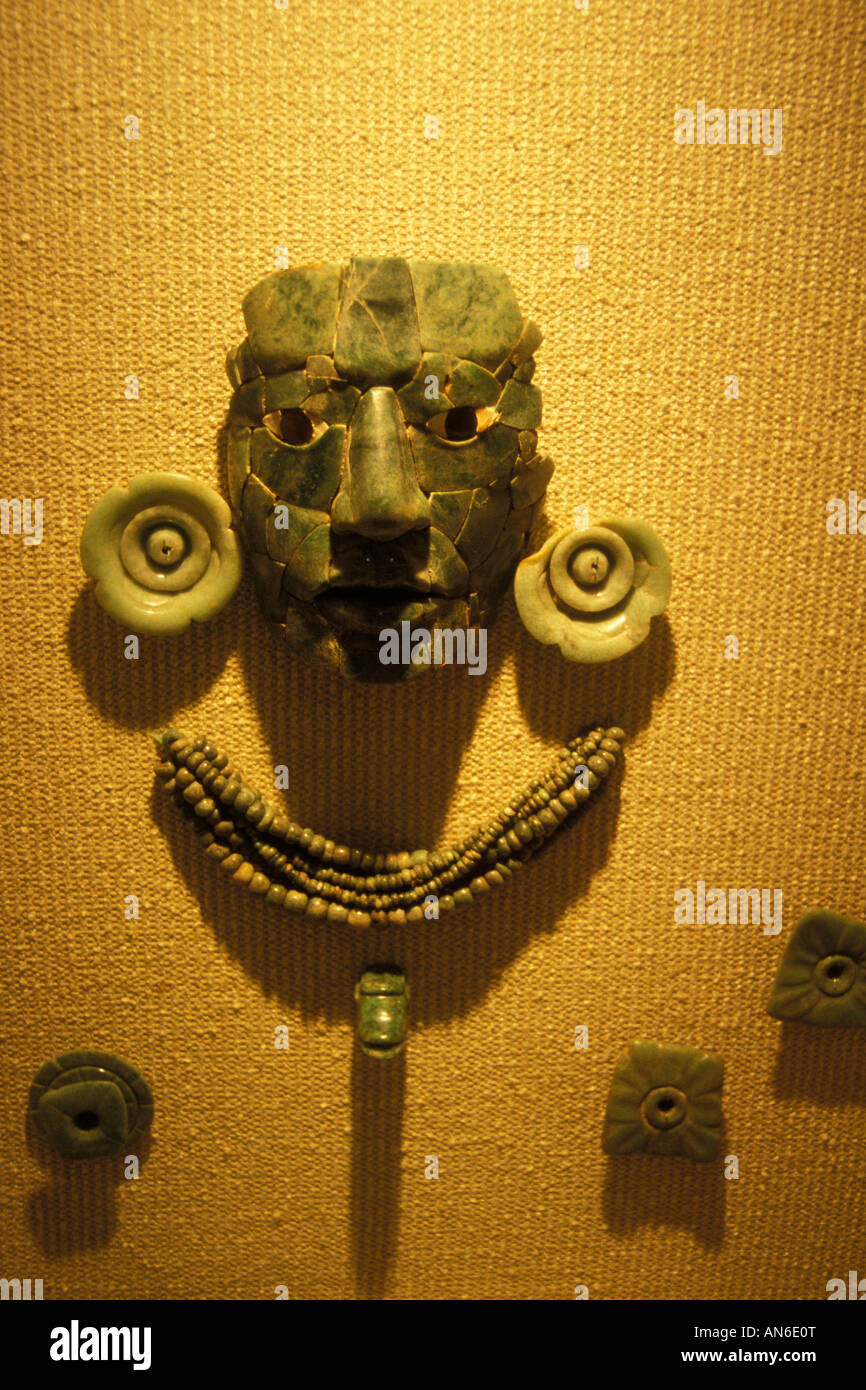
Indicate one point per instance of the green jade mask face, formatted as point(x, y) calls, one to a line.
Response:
point(382, 458)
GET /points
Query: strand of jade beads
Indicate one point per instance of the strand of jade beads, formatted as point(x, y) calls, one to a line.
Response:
point(261, 849)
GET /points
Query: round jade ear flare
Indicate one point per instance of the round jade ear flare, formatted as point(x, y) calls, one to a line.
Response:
point(305, 873)
point(593, 592)
point(88, 1104)
point(162, 553)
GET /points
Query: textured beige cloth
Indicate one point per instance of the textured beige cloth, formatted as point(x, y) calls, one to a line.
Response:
point(304, 127)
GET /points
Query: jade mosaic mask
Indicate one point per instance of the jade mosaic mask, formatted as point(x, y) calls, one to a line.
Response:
point(381, 444)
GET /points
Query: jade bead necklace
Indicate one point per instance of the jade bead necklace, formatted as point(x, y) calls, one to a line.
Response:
point(302, 872)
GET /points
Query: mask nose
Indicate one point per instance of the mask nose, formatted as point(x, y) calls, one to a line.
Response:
point(379, 496)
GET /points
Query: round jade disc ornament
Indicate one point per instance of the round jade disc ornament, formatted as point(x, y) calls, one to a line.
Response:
point(87, 1104)
point(162, 553)
point(592, 592)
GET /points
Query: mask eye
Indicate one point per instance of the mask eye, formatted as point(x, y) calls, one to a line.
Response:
point(294, 426)
point(462, 423)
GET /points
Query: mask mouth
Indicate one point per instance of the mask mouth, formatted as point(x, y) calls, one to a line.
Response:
point(392, 582)
point(367, 609)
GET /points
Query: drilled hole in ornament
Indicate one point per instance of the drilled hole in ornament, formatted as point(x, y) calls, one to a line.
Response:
point(590, 566)
point(836, 974)
point(664, 1107)
point(166, 546)
point(86, 1119)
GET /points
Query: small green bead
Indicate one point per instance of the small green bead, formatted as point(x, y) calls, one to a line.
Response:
point(233, 788)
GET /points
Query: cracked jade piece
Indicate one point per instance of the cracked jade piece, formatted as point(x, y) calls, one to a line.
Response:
point(593, 592)
point(382, 996)
point(162, 553)
point(88, 1104)
point(665, 1099)
point(822, 975)
point(382, 460)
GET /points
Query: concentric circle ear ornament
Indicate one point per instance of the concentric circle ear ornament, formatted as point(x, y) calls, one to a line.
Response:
point(822, 975)
point(87, 1104)
point(162, 553)
point(593, 592)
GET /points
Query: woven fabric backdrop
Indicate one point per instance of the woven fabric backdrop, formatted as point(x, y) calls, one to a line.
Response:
point(305, 126)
